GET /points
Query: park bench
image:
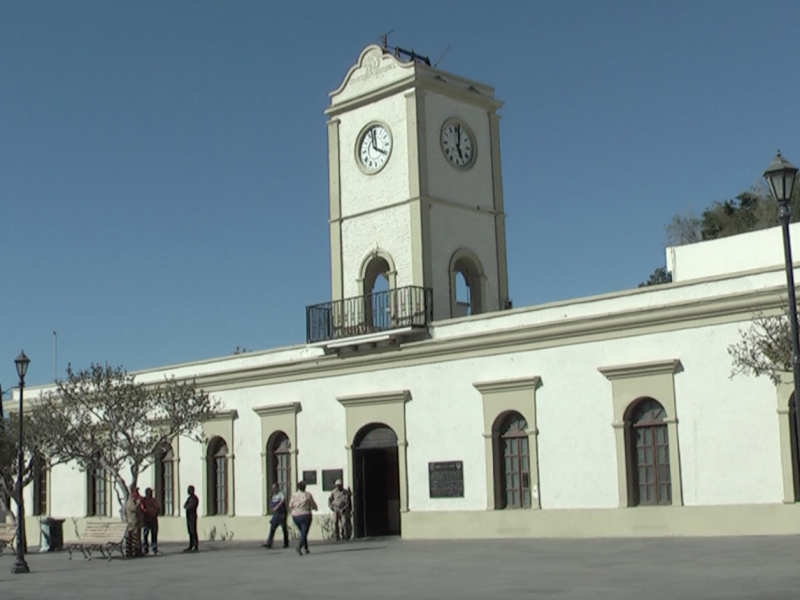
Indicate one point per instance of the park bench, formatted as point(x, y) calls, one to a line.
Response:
point(104, 537)
point(8, 531)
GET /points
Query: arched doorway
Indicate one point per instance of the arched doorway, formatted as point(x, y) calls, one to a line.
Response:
point(377, 482)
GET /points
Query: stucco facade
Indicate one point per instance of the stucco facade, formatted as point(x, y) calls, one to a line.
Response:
point(572, 371)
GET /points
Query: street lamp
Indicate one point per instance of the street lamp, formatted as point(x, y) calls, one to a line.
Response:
point(20, 566)
point(780, 176)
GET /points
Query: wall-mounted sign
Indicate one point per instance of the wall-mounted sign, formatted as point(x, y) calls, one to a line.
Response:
point(310, 477)
point(446, 479)
point(329, 477)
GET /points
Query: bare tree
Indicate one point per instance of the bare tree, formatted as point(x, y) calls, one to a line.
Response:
point(36, 450)
point(107, 420)
point(765, 348)
point(684, 229)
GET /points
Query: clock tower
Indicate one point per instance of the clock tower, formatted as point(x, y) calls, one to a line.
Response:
point(416, 194)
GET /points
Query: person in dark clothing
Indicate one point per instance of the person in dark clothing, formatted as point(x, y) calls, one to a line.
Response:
point(190, 506)
point(151, 509)
point(277, 508)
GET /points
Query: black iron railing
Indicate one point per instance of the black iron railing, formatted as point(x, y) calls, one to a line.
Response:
point(410, 306)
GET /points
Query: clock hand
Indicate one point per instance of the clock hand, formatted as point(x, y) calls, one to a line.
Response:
point(458, 141)
point(374, 141)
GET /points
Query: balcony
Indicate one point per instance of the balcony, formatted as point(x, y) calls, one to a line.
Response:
point(403, 310)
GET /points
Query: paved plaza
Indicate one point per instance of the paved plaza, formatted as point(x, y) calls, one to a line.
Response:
point(719, 568)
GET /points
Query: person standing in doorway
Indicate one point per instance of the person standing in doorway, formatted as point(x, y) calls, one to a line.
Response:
point(301, 505)
point(277, 508)
point(339, 503)
point(152, 508)
point(190, 506)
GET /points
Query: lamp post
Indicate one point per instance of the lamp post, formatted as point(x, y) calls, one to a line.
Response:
point(780, 176)
point(20, 566)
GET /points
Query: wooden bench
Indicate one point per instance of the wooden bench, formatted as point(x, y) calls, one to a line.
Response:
point(8, 532)
point(105, 537)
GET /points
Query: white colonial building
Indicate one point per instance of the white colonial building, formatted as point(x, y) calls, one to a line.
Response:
point(452, 414)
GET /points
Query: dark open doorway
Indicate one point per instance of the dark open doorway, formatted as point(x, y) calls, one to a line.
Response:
point(377, 482)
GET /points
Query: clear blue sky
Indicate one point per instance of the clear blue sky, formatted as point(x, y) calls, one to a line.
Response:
point(161, 161)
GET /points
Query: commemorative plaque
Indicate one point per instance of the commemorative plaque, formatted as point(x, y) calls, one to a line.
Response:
point(446, 479)
point(329, 477)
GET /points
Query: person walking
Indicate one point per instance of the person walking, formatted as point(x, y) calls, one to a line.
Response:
point(152, 508)
point(339, 503)
point(302, 504)
point(190, 507)
point(277, 508)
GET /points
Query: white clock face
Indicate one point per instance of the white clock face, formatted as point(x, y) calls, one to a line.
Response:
point(374, 148)
point(458, 144)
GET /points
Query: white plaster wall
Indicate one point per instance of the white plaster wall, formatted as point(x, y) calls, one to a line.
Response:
point(734, 254)
point(727, 427)
point(192, 468)
point(388, 230)
point(361, 192)
point(452, 229)
point(472, 187)
point(67, 492)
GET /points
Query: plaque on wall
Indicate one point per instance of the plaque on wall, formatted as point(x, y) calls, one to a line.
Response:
point(446, 479)
point(329, 477)
point(310, 477)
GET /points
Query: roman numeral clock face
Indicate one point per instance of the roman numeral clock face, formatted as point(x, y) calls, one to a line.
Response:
point(458, 144)
point(374, 148)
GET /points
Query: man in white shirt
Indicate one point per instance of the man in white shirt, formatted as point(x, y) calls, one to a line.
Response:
point(277, 508)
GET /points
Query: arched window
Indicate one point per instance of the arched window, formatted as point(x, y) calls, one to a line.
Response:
point(279, 462)
point(466, 282)
point(165, 480)
point(217, 477)
point(463, 297)
point(378, 307)
point(649, 454)
point(39, 487)
point(512, 457)
point(97, 492)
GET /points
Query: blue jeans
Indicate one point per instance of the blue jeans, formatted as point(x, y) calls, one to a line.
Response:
point(303, 523)
point(150, 535)
point(278, 520)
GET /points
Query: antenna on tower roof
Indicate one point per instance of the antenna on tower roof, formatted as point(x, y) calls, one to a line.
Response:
point(385, 39)
point(441, 58)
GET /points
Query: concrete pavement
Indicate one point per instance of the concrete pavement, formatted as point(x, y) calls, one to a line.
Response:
point(690, 569)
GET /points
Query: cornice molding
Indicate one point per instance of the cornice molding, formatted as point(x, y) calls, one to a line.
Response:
point(659, 367)
point(277, 409)
point(397, 397)
point(411, 83)
point(223, 415)
point(679, 315)
point(508, 385)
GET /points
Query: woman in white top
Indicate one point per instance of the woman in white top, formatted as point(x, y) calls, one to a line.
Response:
point(301, 505)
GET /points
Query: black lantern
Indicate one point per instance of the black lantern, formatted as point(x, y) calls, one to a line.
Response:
point(780, 176)
point(22, 363)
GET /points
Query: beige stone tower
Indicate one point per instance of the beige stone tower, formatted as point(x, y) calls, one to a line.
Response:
point(416, 194)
